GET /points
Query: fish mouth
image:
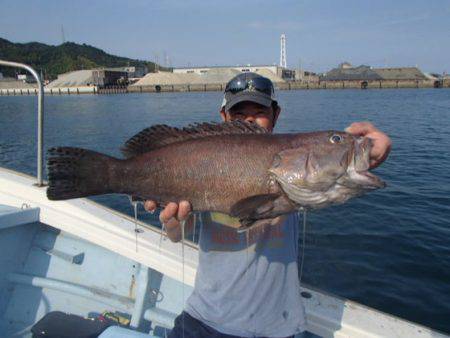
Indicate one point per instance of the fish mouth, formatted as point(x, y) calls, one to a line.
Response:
point(369, 180)
point(359, 168)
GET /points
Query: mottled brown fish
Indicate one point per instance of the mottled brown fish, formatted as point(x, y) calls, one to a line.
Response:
point(236, 168)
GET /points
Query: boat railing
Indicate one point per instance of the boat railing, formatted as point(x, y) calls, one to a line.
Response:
point(40, 131)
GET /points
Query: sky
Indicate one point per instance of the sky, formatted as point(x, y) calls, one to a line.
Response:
point(320, 34)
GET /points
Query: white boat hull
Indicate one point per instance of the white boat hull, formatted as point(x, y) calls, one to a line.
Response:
point(110, 237)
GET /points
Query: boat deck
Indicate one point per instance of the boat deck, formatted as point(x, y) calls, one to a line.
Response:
point(49, 270)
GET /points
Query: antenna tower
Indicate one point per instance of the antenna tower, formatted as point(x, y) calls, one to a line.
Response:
point(283, 51)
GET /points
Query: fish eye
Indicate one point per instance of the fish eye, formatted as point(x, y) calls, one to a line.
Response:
point(335, 138)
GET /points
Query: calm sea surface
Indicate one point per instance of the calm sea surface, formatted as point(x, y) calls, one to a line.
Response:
point(389, 249)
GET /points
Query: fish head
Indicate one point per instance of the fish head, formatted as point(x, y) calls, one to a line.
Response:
point(358, 175)
point(329, 167)
point(318, 163)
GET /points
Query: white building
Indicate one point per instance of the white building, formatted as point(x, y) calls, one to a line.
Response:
point(285, 74)
point(203, 70)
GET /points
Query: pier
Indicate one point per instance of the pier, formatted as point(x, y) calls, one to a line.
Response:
point(50, 91)
point(206, 87)
point(296, 86)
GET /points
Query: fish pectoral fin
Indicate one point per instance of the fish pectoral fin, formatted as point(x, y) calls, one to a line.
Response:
point(254, 223)
point(253, 207)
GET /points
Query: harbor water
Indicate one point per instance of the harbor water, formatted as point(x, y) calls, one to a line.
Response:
point(389, 250)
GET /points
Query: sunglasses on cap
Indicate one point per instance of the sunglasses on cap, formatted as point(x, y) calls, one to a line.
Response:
point(260, 84)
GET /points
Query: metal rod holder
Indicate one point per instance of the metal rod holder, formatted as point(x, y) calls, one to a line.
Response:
point(40, 131)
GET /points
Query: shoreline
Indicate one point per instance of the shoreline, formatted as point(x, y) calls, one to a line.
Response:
point(207, 87)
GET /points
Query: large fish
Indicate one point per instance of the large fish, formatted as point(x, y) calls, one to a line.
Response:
point(236, 168)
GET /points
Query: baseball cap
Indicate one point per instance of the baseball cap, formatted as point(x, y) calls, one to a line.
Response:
point(248, 86)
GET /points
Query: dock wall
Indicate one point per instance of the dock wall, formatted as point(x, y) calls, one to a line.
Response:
point(383, 84)
point(50, 91)
point(177, 88)
point(295, 86)
point(376, 84)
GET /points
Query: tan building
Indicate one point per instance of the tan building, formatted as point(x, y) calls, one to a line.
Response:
point(367, 73)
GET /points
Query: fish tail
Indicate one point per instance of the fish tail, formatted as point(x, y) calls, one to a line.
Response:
point(76, 172)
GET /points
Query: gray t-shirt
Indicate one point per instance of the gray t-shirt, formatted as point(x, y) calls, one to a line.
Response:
point(252, 290)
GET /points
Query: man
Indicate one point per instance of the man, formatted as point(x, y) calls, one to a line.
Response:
point(247, 283)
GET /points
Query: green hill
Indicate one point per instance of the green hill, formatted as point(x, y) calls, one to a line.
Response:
point(54, 60)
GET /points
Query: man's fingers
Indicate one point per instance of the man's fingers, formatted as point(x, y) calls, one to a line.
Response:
point(171, 224)
point(150, 206)
point(382, 145)
point(360, 128)
point(174, 213)
point(184, 208)
point(169, 212)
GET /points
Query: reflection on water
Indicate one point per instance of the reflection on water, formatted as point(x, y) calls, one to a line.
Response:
point(388, 250)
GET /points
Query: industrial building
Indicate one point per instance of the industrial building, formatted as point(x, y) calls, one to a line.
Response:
point(346, 72)
point(132, 71)
point(208, 77)
point(90, 77)
point(221, 74)
point(10, 83)
point(347, 76)
point(109, 77)
point(280, 72)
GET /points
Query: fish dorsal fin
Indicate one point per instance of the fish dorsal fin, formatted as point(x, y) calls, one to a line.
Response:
point(161, 135)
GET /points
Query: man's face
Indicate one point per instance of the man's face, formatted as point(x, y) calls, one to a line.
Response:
point(252, 112)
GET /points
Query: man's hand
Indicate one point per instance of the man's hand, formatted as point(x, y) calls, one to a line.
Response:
point(172, 216)
point(381, 142)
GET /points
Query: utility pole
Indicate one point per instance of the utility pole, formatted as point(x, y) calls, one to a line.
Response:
point(283, 51)
point(156, 58)
point(165, 58)
point(299, 70)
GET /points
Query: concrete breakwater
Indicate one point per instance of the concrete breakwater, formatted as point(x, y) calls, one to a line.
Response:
point(376, 84)
point(297, 86)
point(50, 91)
point(65, 90)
